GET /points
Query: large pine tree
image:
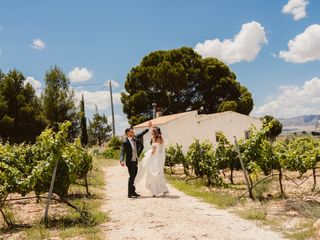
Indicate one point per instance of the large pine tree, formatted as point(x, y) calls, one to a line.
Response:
point(21, 118)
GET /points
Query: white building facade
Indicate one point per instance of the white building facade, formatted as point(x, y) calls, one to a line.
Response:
point(184, 128)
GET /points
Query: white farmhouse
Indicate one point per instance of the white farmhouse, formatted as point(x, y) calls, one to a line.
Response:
point(184, 128)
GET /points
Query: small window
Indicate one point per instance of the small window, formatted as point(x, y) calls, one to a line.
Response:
point(246, 134)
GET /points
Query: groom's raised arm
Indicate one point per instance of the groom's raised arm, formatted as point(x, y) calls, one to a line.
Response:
point(140, 134)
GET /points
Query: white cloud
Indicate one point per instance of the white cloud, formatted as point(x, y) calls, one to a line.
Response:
point(117, 118)
point(304, 47)
point(38, 44)
point(121, 123)
point(36, 84)
point(80, 75)
point(297, 8)
point(102, 99)
point(245, 46)
point(114, 83)
point(293, 101)
point(99, 98)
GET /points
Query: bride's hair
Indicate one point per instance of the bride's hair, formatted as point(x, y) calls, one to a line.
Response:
point(157, 136)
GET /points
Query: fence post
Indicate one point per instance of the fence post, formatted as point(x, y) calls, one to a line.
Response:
point(243, 168)
point(50, 193)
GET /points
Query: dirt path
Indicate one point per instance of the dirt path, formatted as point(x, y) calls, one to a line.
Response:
point(176, 217)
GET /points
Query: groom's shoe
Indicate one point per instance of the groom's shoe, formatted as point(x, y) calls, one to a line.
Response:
point(132, 196)
point(136, 194)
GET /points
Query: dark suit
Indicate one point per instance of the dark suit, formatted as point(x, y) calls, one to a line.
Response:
point(126, 152)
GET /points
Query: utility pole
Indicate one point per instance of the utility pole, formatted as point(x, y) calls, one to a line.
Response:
point(113, 128)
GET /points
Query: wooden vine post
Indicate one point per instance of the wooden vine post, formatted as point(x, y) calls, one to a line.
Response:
point(50, 193)
point(243, 168)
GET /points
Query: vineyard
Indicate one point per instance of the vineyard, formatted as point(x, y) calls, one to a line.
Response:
point(26, 169)
point(260, 155)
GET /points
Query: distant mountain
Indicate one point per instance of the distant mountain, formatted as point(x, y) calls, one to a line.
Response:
point(306, 122)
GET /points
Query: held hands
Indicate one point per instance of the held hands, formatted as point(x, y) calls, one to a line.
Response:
point(122, 164)
point(150, 124)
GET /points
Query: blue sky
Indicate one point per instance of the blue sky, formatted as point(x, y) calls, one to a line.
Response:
point(95, 41)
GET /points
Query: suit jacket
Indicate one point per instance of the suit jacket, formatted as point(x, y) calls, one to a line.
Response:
point(126, 149)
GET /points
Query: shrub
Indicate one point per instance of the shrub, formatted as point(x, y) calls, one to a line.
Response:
point(114, 143)
point(202, 159)
point(174, 155)
point(111, 153)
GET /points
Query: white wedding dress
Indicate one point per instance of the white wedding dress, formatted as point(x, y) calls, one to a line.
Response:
point(150, 171)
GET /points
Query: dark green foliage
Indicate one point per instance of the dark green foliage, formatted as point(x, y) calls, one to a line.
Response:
point(114, 143)
point(111, 153)
point(21, 118)
point(83, 124)
point(174, 155)
point(276, 128)
point(58, 99)
point(179, 80)
point(28, 168)
point(99, 130)
point(226, 155)
point(202, 159)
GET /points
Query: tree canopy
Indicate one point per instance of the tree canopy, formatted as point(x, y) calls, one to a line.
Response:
point(99, 131)
point(21, 116)
point(275, 126)
point(58, 99)
point(179, 80)
point(83, 123)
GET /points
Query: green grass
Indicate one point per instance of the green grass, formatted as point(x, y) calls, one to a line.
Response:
point(37, 232)
point(255, 214)
point(196, 189)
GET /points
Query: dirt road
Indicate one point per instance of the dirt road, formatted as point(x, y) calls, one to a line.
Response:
point(177, 216)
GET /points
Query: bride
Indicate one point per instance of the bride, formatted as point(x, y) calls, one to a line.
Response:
point(150, 168)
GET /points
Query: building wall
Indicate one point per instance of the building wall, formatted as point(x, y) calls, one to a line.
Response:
point(186, 129)
point(176, 131)
point(230, 123)
point(183, 131)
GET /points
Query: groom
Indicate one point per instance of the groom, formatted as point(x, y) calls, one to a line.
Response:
point(131, 150)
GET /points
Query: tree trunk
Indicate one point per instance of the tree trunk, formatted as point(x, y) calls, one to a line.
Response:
point(83, 214)
point(7, 221)
point(314, 178)
point(280, 182)
point(250, 181)
point(86, 184)
point(224, 174)
point(231, 176)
